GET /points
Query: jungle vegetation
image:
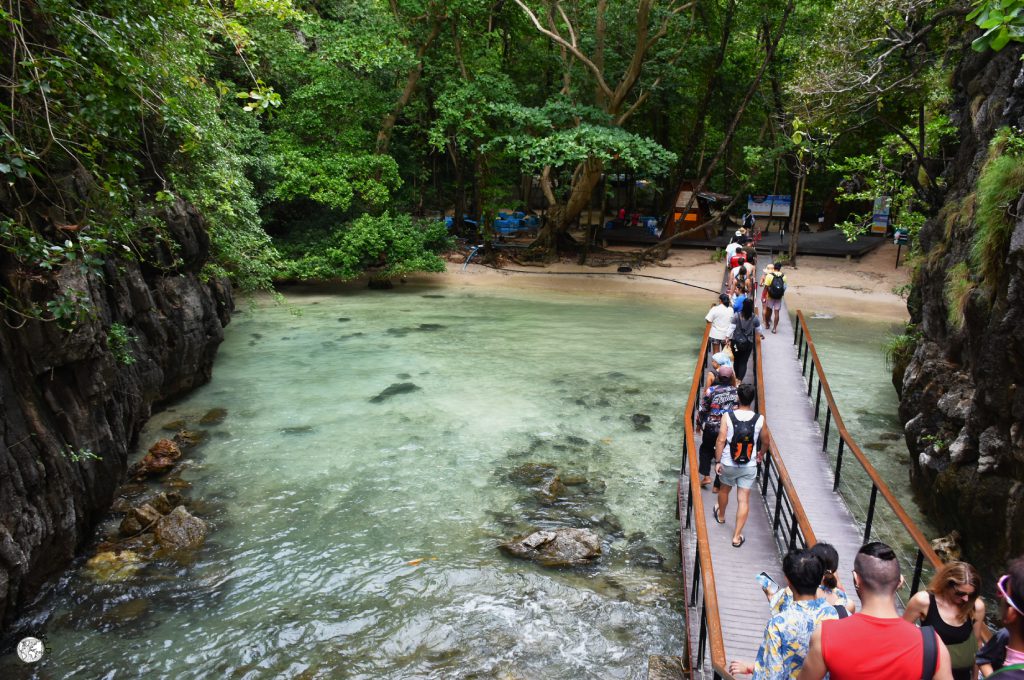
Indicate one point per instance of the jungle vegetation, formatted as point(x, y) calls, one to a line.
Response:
point(321, 139)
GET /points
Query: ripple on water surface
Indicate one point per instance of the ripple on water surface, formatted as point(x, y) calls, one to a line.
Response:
point(363, 477)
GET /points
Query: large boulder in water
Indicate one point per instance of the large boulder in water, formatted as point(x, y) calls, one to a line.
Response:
point(160, 458)
point(557, 547)
point(180, 530)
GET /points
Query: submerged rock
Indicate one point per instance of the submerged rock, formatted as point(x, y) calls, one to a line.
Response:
point(113, 566)
point(556, 548)
point(396, 388)
point(189, 439)
point(298, 429)
point(641, 421)
point(180, 530)
point(173, 425)
point(531, 474)
point(214, 416)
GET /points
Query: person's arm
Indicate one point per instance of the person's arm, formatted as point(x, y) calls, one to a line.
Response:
point(814, 663)
point(982, 632)
point(723, 438)
point(986, 670)
point(766, 439)
point(917, 607)
point(944, 668)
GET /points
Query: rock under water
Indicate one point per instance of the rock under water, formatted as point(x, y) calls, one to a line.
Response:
point(394, 389)
point(566, 547)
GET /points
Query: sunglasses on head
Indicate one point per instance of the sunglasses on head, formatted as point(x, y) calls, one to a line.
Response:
point(1001, 586)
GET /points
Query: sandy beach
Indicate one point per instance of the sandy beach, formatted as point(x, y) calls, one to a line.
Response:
point(828, 286)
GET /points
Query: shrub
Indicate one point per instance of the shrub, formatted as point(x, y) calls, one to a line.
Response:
point(1000, 186)
point(957, 290)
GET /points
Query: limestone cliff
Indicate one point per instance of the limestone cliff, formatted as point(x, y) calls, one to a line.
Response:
point(960, 400)
point(65, 393)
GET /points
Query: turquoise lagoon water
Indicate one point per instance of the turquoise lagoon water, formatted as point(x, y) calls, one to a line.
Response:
point(322, 502)
point(358, 539)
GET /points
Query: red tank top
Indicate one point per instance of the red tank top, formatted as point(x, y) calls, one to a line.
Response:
point(861, 646)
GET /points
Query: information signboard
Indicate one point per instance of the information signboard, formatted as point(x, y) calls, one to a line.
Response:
point(768, 205)
point(880, 216)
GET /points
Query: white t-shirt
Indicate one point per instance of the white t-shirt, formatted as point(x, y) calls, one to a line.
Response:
point(736, 270)
point(742, 416)
point(720, 317)
point(730, 250)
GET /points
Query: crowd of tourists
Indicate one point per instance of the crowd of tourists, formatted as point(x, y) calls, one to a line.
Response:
point(815, 628)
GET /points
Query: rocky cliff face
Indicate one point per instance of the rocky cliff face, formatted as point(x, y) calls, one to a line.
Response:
point(62, 394)
point(960, 400)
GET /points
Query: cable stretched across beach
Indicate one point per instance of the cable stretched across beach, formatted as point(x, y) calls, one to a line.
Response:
point(629, 273)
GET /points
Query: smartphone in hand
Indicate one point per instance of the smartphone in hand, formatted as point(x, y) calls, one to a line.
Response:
point(767, 583)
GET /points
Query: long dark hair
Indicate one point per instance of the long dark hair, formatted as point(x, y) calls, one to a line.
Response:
point(748, 308)
point(830, 560)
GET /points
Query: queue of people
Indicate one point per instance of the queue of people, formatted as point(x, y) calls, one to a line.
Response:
point(815, 628)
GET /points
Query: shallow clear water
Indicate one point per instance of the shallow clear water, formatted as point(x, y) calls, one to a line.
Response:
point(322, 504)
point(321, 501)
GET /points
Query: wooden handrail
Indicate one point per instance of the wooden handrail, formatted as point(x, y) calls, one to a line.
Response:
point(915, 533)
point(784, 478)
point(707, 570)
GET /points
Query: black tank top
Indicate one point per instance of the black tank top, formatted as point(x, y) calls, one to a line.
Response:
point(958, 639)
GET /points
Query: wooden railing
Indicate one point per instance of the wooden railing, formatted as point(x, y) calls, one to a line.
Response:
point(702, 596)
point(790, 525)
point(806, 351)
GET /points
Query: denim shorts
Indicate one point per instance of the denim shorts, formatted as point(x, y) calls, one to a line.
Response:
point(742, 477)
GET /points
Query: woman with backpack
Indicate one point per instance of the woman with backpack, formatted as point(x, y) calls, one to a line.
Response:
point(774, 288)
point(746, 324)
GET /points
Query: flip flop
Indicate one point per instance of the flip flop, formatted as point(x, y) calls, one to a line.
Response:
point(715, 511)
point(743, 539)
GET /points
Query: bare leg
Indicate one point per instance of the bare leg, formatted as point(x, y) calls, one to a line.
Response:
point(742, 510)
point(723, 499)
point(767, 316)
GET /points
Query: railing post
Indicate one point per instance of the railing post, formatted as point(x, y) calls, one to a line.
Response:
point(689, 503)
point(839, 461)
point(767, 471)
point(918, 567)
point(817, 400)
point(796, 329)
point(803, 366)
point(871, 512)
point(828, 421)
point(810, 379)
point(696, 576)
point(703, 635)
point(778, 509)
point(792, 532)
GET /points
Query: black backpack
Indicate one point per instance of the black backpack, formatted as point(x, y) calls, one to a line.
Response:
point(777, 288)
point(743, 446)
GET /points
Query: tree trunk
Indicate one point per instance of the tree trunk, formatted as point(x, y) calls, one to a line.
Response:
point(798, 208)
point(387, 125)
point(560, 216)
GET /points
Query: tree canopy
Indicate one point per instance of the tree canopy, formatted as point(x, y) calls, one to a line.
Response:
point(324, 139)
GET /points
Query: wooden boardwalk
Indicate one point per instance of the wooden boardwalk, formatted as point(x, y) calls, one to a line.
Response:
point(799, 436)
point(742, 606)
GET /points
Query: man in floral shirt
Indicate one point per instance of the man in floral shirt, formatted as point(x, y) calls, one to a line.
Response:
point(788, 633)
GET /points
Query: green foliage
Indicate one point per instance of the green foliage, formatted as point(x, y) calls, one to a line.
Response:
point(1001, 20)
point(999, 187)
point(385, 245)
point(718, 255)
point(119, 340)
point(78, 455)
point(957, 290)
point(900, 347)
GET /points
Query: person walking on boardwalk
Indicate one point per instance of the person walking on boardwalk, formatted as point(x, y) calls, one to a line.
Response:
point(775, 287)
point(788, 632)
point(876, 642)
point(720, 317)
point(952, 607)
point(719, 399)
point(831, 590)
point(740, 447)
point(746, 324)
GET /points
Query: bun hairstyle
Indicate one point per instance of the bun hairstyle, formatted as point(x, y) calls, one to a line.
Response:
point(829, 560)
